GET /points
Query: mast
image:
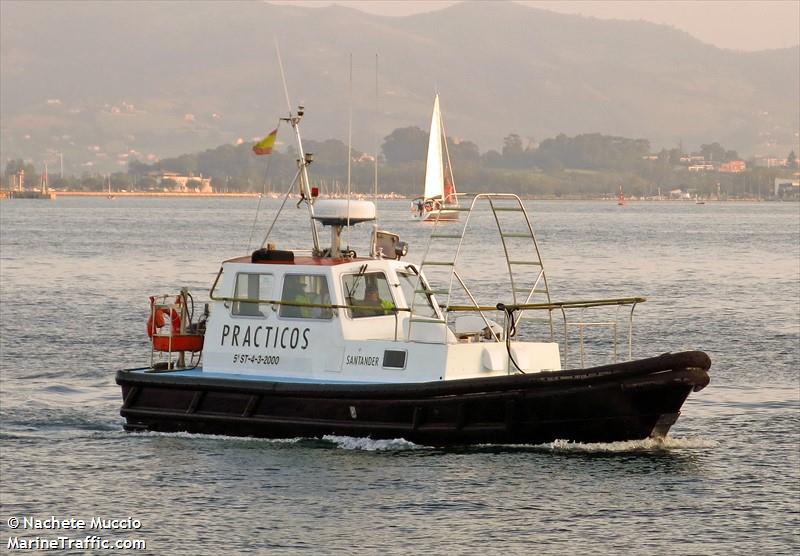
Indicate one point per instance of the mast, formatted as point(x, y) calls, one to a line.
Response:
point(349, 147)
point(303, 160)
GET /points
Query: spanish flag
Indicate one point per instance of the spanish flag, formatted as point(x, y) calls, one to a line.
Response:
point(265, 145)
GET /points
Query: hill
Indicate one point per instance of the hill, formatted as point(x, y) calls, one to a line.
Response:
point(107, 82)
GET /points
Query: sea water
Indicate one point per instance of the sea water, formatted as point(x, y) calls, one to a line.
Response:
point(75, 277)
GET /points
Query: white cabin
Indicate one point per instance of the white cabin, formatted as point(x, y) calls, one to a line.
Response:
point(317, 319)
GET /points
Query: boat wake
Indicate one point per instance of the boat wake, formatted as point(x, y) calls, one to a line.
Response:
point(370, 444)
point(327, 441)
point(630, 446)
point(399, 444)
point(645, 445)
point(218, 437)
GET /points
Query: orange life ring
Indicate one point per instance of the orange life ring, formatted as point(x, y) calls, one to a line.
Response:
point(158, 318)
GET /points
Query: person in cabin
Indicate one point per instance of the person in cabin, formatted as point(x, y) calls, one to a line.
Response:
point(294, 292)
point(322, 312)
point(372, 304)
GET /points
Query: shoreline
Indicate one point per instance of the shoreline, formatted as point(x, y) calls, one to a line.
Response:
point(5, 194)
point(149, 194)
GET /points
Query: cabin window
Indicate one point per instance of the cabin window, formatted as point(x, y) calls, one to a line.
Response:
point(305, 288)
point(369, 293)
point(423, 303)
point(252, 286)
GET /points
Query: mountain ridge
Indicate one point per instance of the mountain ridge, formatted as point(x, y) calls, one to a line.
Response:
point(200, 75)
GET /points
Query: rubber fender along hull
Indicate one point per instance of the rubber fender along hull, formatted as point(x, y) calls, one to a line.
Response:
point(625, 401)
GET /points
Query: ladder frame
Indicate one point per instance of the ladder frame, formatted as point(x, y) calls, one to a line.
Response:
point(493, 199)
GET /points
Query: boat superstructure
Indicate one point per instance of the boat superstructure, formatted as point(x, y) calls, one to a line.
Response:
point(300, 342)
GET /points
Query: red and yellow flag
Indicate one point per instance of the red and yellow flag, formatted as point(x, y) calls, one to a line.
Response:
point(265, 145)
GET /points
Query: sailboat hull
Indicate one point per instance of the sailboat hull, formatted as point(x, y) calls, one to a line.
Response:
point(626, 401)
point(442, 215)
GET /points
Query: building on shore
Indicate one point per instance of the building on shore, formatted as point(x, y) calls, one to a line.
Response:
point(787, 188)
point(185, 184)
point(770, 162)
point(680, 193)
point(704, 167)
point(733, 167)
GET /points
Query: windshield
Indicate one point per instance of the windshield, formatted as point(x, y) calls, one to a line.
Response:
point(423, 303)
point(370, 293)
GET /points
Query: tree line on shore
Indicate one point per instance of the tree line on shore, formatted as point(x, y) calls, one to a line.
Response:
point(586, 165)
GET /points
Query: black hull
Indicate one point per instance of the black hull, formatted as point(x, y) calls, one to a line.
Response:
point(625, 401)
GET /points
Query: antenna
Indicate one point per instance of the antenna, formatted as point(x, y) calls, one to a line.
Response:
point(349, 148)
point(377, 133)
point(374, 248)
point(283, 77)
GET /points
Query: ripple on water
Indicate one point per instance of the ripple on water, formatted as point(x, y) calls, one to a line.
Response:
point(724, 482)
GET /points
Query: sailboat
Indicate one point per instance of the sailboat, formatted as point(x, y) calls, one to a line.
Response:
point(110, 195)
point(621, 197)
point(439, 200)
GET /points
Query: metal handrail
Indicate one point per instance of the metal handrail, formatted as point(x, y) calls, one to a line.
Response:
point(310, 305)
point(179, 307)
point(552, 306)
point(391, 311)
point(560, 306)
point(563, 307)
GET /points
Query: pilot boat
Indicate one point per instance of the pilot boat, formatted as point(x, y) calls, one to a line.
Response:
point(307, 343)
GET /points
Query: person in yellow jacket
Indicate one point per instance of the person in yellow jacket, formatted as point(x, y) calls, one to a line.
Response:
point(372, 299)
point(294, 292)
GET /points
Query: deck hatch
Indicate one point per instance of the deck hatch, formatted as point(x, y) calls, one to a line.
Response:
point(394, 359)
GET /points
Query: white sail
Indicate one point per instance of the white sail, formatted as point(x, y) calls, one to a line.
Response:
point(434, 169)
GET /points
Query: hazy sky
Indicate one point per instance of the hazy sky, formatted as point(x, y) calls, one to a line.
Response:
point(740, 25)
